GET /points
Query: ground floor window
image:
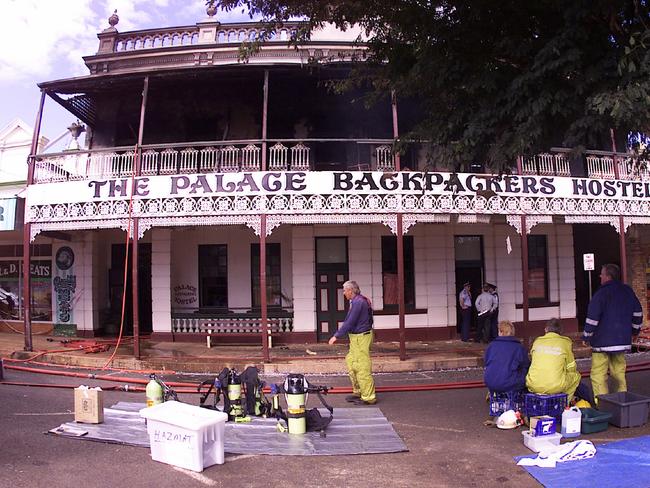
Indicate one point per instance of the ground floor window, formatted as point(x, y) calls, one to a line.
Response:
point(213, 275)
point(537, 269)
point(273, 271)
point(11, 285)
point(389, 272)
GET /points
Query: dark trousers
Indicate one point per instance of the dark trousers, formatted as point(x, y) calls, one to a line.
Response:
point(483, 328)
point(466, 319)
point(494, 324)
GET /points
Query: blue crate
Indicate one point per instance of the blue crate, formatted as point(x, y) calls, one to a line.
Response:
point(552, 405)
point(501, 401)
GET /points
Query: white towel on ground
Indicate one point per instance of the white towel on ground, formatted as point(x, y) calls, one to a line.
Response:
point(571, 451)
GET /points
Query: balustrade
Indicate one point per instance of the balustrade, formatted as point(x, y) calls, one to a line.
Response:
point(236, 156)
point(135, 41)
point(546, 164)
point(230, 323)
point(188, 36)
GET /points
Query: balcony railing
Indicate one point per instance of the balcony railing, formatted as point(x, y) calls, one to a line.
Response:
point(288, 155)
point(598, 165)
point(546, 165)
point(209, 157)
point(230, 322)
point(189, 35)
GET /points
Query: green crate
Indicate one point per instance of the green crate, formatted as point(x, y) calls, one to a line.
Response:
point(594, 420)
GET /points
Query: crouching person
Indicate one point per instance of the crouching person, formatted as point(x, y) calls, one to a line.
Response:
point(553, 367)
point(506, 361)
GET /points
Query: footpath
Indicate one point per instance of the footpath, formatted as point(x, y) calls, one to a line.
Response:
point(197, 358)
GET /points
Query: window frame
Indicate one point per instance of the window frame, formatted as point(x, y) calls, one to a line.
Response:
point(202, 276)
point(534, 260)
point(409, 271)
point(273, 250)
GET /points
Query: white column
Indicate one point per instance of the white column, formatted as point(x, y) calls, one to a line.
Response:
point(566, 270)
point(303, 286)
point(359, 256)
point(161, 307)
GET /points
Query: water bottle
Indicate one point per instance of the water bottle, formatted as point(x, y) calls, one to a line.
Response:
point(571, 422)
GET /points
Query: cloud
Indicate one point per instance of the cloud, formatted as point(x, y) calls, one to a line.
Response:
point(46, 40)
point(36, 34)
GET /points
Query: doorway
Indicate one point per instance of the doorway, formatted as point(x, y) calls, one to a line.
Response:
point(116, 287)
point(605, 248)
point(468, 252)
point(331, 273)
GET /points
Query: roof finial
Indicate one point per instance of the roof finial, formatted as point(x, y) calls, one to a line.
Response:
point(211, 10)
point(113, 19)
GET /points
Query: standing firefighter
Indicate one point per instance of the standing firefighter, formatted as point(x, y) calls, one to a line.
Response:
point(613, 317)
point(358, 325)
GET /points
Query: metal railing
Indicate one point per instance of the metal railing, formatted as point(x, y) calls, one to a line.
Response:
point(231, 322)
point(329, 154)
point(206, 157)
point(546, 165)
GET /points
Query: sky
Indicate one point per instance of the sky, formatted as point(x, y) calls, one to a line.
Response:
point(45, 40)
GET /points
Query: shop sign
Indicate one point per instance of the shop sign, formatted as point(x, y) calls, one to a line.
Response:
point(336, 183)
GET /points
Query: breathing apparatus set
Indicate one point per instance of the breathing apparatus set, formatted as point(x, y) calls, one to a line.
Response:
point(296, 390)
point(230, 385)
point(158, 392)
point(241, 396)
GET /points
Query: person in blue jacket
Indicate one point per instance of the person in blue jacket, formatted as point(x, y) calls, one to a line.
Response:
point(506, 361)
point(358, 327)
point(613, 317)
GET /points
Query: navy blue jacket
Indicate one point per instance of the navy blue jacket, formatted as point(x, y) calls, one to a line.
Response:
point(359, 317)
point(506, 364)
point(613, 317)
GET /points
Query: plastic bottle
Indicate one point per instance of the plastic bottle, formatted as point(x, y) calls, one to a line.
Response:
point(571, 422)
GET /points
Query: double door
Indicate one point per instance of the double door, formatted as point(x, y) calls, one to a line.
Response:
point(331, 273)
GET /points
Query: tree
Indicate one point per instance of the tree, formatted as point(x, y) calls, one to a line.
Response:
point(497, 79)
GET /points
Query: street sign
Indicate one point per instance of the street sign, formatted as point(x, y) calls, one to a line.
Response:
point(588, 261)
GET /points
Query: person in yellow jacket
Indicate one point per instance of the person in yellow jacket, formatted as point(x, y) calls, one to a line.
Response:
point(553, 367)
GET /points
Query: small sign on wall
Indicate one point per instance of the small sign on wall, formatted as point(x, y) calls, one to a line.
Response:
point(588, 261)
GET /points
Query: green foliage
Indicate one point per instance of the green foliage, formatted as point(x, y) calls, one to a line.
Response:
point(496, 79)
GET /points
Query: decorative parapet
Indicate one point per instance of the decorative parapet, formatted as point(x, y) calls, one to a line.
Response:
point(212, 43)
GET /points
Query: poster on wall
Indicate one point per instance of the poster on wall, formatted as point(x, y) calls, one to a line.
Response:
point(11, 289)
point(65, 285)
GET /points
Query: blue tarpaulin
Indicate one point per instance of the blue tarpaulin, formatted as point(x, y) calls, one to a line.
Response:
point(622, 463)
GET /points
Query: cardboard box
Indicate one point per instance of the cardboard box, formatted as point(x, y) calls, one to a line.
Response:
point(542, 425)
point(89, 405)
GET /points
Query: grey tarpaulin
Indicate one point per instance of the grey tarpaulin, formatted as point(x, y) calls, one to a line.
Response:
point(362, 430)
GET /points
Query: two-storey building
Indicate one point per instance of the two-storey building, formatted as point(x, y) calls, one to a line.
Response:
point(230, 192)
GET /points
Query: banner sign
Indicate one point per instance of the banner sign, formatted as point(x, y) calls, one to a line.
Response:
point(7, 213)
point(333, 183)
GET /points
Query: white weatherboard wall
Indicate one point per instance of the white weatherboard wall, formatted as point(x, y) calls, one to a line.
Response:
point(437, 264)
point(303, 268)
point(435, 286)
point(185, 260)
point(161, 285)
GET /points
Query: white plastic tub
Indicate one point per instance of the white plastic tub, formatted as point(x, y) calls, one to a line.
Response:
point(541, 443)
point(184, 435)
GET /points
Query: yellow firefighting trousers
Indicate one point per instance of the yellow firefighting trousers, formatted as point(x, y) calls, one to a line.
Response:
point(360, 366)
